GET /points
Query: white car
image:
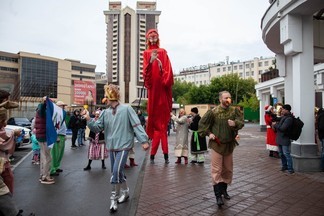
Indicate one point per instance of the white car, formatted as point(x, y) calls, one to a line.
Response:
point(22, 140)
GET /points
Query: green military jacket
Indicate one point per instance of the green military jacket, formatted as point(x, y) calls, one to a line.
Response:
point(216, 121)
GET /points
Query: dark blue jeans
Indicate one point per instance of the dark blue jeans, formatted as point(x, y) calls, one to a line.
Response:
point(286, 160)
point(322, 155)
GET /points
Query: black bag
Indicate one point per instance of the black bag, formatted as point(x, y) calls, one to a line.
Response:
point(296, 128)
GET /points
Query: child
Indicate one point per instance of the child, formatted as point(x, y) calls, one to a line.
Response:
point(36, 149)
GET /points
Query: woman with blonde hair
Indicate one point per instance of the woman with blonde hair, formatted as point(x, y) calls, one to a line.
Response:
point(181, 145)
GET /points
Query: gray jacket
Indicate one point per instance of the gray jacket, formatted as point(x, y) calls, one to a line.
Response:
point(282, 128)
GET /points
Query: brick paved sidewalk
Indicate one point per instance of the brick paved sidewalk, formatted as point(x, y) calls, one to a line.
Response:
point(258, 187)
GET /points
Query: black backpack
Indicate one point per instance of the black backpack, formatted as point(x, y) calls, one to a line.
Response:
point(296, 128)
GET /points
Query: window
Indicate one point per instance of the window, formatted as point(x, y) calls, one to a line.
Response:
point(247, 73)
point(218, 70)
point(38, 77)
point(260, 64)
point(8, 59)
point(260, 72)
point(224, 69)
point(235, 67)
point(247, 66)
point(252, 73)
point(266, 63)
point(241, 74)
point(240, 67)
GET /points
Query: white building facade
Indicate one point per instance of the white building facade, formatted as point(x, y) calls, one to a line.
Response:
point(294, 31)
point(245, 69)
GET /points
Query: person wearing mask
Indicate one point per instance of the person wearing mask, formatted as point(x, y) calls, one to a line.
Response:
point(119, 122)
point(158, 80)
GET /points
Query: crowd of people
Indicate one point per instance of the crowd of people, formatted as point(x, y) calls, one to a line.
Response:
point(115, 130)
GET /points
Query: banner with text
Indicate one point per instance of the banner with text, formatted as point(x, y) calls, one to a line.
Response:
point(84, 92)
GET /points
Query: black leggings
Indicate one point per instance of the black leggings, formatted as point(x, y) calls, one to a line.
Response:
point(74, 136)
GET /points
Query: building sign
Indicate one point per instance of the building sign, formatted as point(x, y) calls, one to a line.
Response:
point(114, 5)
point(142, 5)
point(84, 92)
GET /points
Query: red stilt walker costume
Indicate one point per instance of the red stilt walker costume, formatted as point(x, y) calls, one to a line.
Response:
point(158, 79)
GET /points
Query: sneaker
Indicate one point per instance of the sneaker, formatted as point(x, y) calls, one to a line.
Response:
point(47, 181)
point(291, 171)
point(74, 147)
point(59, 170)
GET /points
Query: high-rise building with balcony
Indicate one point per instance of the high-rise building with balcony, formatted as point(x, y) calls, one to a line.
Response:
point(125, 43)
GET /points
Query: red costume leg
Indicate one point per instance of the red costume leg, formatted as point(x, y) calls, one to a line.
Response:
point(155, 142)
point(164, 141)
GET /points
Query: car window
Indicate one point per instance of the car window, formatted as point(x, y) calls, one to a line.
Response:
point(22, 120)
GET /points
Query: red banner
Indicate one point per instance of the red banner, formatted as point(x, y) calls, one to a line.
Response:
point(84, 92)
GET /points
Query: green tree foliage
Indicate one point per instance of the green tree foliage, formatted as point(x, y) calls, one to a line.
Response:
point(240, 89)
point(251, 102)
point(200, 95)
point(233, 84)
point(180, 90)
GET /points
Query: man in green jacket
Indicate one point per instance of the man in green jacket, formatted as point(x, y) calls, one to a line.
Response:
point(221, 125)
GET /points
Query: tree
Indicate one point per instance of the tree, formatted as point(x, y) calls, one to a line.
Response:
point(200, 95)
point(250, 102)
point(236, 86)
point(240, 89)
point(180, 90)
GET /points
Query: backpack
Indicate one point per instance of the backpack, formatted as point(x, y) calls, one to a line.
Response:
point(296, 128)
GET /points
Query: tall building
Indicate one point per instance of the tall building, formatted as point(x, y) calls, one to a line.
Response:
point(125, 44)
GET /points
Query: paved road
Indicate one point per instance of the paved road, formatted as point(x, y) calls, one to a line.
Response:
point(75, 192)
point(258, 187)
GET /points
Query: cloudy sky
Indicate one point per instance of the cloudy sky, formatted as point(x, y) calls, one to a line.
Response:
point(193, 32)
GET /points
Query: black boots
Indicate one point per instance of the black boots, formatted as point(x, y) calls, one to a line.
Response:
point(224, 190)
point(219, 190)
point(152, 159)
point(218, 194)
point(166, 158)
point(103, 166)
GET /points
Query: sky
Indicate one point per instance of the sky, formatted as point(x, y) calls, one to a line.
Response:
point(193, 32)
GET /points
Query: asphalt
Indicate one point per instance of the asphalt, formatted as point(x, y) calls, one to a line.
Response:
point(258, 187)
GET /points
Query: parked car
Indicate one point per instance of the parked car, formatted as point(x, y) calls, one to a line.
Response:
point(22, 140)
point(19, 121)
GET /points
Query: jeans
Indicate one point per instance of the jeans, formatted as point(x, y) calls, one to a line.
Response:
point(81, 133)
point(118, 160)
point(286, 160)
point(322, 155)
